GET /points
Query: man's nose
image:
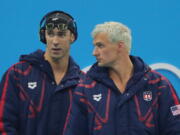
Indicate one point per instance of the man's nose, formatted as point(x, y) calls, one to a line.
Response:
point(95, 52)
point(55, 40)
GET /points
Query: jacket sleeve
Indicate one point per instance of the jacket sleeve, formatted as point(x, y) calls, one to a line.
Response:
point(78, 121)
point(8, 105)
point(169, 111)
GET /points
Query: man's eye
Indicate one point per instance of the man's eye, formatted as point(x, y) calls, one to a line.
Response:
point(61, 34)
point(50, 33)
point(100, 45)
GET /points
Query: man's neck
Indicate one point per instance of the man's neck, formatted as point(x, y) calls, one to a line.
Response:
point(59, 67)
point(121, 73)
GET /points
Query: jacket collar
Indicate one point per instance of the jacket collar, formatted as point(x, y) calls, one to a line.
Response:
point(37, 59)
point(101, 73)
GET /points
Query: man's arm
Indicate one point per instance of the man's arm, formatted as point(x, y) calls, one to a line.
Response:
point(78, 121)
point(169, 111)
point(8, 105)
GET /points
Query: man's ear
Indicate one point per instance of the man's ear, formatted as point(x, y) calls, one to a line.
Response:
point(120, 45)
point(72, 38)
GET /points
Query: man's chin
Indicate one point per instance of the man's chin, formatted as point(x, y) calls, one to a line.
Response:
point(56, 58)
point(103, 65)
point(100, 64)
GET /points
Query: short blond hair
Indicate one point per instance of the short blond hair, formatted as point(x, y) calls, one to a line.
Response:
point(116, 32)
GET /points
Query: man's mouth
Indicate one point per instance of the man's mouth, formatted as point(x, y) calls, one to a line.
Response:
point(56, 50)
point(98, 59)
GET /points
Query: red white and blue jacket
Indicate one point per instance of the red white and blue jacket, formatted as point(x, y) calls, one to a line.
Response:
point(149, 105)
point(31, 103)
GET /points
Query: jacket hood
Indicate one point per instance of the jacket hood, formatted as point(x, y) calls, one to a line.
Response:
point(37, 59)
point(34, 58)
point(101, 73)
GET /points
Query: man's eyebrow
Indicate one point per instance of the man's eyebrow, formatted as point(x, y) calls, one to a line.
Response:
point(49, 31)
point(61, 32)
point(98, 43)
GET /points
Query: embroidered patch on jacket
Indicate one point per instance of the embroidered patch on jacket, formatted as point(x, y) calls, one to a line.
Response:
point(147, 95)
point(97, 97)
point(175, 110)
point(32, 85)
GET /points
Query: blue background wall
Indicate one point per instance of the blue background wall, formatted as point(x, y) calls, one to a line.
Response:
point(155, 26)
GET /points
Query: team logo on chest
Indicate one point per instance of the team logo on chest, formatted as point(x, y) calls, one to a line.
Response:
point(32, 85)
point(147, 95)
point(97, 97)
point(175, 110)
